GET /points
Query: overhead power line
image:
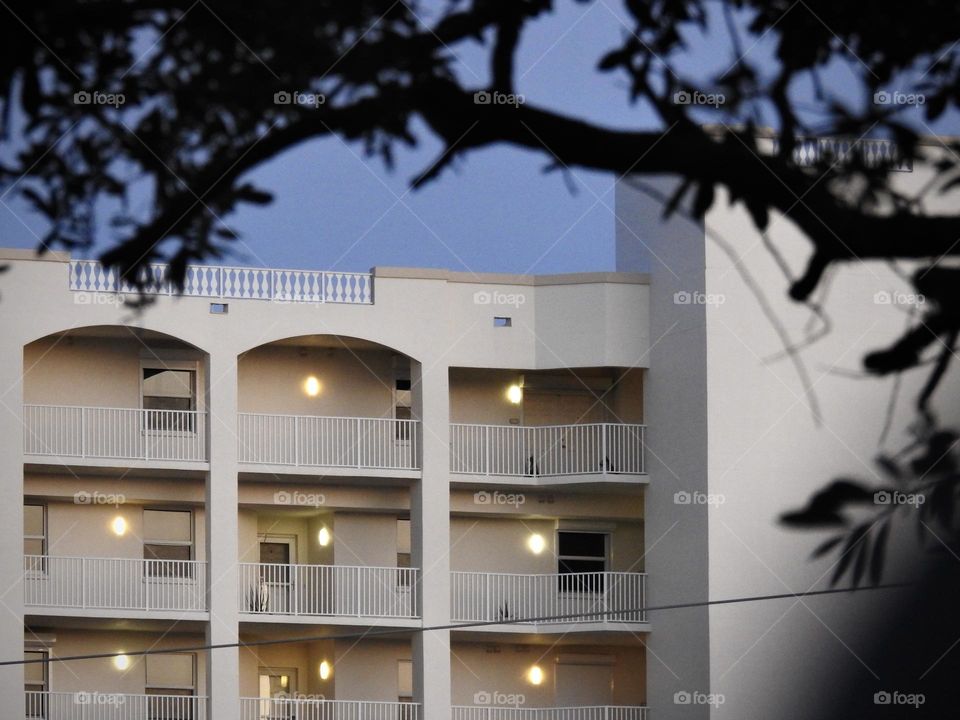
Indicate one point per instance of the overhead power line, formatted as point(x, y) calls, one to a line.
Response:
point(379, 632)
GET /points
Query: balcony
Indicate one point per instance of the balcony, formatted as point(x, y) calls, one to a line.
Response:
point(233, 283)
point(103, 586)
point(548, 454)
point(587, 712)
point(93, 435)
point(572, 599)
point(342, 444)
point(310, 709)
point(280, 592)
point(113, 706)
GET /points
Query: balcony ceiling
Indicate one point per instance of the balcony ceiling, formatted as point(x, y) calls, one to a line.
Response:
point(330, 341)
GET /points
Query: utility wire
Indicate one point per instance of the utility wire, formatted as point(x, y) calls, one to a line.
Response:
point(379, 632)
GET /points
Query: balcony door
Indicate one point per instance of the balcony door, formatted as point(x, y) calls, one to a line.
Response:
point(584, 681)
point(277, 687)
point(36, 683)
point(562, 450)
point(277, 591)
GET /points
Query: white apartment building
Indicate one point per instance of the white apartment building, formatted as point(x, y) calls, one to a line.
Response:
point(335, 471)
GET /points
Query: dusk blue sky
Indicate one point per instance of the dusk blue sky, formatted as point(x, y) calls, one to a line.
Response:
point(495, 210)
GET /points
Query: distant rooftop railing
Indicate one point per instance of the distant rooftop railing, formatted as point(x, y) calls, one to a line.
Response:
point(243, 283)
point(873, 153)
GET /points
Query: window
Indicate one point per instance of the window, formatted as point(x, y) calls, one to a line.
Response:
point(168, 536)
point(35, 537)
point(499, 321)
point(403, 408)
point(169, 389)
point(34, 529)
point(35, 682)
point(403, 551)
point(277, 686)
point(580, 553)
point(171, 679)
point(405, 680)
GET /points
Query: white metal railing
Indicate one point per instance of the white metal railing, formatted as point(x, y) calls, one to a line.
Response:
point(114, 583)
point(577, 597)
point(91, 705)
point(547, 450)
point(331, 590)
point(244, 283)
point(118, 433)
point(315, 441)
point(294, 708)
point(586, 712)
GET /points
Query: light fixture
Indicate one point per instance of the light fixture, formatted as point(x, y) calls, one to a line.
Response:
point(119, 525)
point(323, 537)
point(535, 675)
point(325, 670)
point(311, 386)
point(121, 662)
point(515, 394)
point(536, 543)
point(284, 681)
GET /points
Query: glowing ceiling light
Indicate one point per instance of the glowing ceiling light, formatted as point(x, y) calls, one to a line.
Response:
point(323, 537)
point(536, 543)
point(121, 662)
point(311, 386)
point(119, 526)
point(325, 670)
point(535, 675)
point(515, 394)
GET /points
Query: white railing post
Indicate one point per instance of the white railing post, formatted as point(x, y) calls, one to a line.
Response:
point(83, 434)
point(296, 440)
point(603, 448)
point(487, 446)
point(359, 465)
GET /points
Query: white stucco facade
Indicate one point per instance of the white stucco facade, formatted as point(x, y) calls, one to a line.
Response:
point(455, 449)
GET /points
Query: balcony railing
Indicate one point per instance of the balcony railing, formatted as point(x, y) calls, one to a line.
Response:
point(340, 442)
point(114, 433)
point(240, 283)
point(547, 450)
point(328, 590)
point(568, 597)
point(313, 709)
point(87, 583)
point(112, 706)
point(586, 712)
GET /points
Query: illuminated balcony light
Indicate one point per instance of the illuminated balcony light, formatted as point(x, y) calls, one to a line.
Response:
point(536, 543)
